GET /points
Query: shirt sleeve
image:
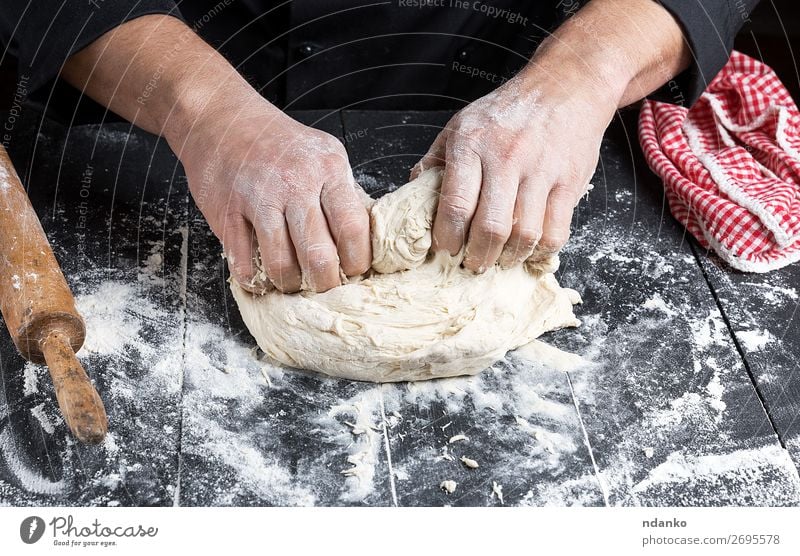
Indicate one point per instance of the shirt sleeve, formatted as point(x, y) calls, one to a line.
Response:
point(709, 27)
point(44, 33)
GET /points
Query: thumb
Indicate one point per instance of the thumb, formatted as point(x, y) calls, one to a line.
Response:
point(434, 157)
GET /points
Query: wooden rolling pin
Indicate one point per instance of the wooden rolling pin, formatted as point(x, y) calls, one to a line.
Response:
point(39, 310)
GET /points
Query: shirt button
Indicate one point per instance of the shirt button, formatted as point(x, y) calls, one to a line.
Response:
point(306, 50)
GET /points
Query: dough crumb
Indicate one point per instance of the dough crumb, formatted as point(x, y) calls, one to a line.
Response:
point(497, 490)
point(648, 452)
point(457, 438)
point(471, 463)
point(445, 455)
point(448, 486)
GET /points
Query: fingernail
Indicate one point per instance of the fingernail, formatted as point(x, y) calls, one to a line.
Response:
point(469, 264)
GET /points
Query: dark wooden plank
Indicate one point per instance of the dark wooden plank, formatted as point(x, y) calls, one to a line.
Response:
point(254, 434)
point(519, 416)
point(670, 411)
point(764, 312)
point(117, 223)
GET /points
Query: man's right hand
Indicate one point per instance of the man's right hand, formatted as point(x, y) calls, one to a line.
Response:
point(266, 182)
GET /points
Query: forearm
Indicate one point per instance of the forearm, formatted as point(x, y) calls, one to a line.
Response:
point(622, 50)
point(157, 73)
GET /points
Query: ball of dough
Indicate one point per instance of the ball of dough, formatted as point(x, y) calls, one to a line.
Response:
point(415, 315)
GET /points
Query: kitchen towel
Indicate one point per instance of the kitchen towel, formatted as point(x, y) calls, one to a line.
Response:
point(731, 165)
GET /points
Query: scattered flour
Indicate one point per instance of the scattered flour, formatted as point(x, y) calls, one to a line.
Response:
point(361, 416)
point(21, 469)
point(38, 411)
point(745, 463)
point(30, 372)
point(114, 314)
point(755, 340)
point(709, 331)
point(657, 303)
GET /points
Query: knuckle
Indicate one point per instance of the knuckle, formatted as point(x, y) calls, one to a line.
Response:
point(336, 162)
point(355, 265)
point(331, 147)
point(511, 151)
point(493, 229)
point(321, 259)
point(553, 241)
point(280, 268)
point(352, 228)
point(465, 146)
point(525, 239)
point(232, 231)
point(455, 208)
point(564, 194)
point(298, 211)
point(562, 188)
point(268, 219)
point(572, 177)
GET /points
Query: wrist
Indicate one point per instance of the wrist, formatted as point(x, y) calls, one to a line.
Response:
point(205, 99)
point(576, 69)
point(563, 81)
point(618, 51)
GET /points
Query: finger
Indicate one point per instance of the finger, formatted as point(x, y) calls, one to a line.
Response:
point(278, 258)
point(491, 227)
point(348, 222)
point(315, 248)
point(434, 157)
point(461, 187)
point(526, 228)
point(238, 244)
point(557, 219)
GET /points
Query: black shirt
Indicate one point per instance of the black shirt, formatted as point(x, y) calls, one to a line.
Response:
point(399, 54)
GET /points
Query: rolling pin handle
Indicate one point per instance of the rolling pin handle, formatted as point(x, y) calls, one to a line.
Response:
point(79, 401)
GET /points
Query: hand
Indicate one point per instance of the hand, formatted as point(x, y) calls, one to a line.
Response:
point(516, 161)
point(272, 187)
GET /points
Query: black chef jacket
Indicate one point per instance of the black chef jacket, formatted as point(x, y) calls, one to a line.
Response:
point(395, 54)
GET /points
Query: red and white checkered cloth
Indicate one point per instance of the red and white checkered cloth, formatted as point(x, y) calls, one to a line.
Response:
point(731, 165)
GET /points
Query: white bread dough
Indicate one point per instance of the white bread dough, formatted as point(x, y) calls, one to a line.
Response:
point(415, 316)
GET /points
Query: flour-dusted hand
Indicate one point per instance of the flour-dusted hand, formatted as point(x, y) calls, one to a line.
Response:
point(517, 161)
point(274, 189)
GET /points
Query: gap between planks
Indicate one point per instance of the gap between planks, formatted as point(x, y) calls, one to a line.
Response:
point(598, 476)
point(185, 232)
point(388, 448)
point(737, 344)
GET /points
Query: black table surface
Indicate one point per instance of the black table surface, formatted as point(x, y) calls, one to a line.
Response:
point(689, 396)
